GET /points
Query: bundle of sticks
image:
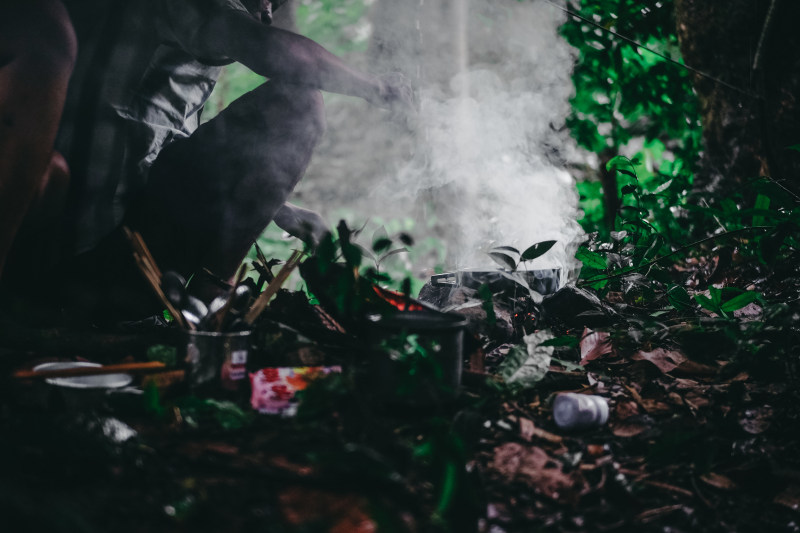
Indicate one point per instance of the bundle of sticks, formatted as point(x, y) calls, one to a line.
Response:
point(152, 274)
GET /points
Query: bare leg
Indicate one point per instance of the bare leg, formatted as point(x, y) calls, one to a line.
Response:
point(37, 53)
point(209, 196)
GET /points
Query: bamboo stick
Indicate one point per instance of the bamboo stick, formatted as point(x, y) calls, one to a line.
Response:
point(125, 368)
point(149, 269)
point(220, 318)
point(263, 299)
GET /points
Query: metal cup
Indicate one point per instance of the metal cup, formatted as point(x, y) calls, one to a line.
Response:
point(217, 358)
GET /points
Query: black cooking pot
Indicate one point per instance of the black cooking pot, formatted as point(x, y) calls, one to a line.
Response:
point(543, 281)
point(416, 357)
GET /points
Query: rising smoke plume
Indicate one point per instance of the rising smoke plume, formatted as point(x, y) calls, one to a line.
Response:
point(484, 161)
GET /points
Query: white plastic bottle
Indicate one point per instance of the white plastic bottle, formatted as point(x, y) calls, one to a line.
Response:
point(579, 411)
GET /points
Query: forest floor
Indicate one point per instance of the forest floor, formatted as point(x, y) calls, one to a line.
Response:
point(702, 434)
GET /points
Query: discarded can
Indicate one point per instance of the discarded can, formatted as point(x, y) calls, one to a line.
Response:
point(579, 411)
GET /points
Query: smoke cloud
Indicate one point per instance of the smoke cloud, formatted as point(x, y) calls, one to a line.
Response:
point(484, 167)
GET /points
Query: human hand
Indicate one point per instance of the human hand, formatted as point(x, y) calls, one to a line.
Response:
point(304, 224)
point(395, 92)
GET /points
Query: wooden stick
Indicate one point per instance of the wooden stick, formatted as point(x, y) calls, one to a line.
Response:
point(264, 298)
point(149, 269)
point(126, 368)
point(220, 318)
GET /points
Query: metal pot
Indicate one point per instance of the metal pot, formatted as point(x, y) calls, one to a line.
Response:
point(416, 357)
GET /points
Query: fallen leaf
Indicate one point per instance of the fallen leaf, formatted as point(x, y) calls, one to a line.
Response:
point(751, 310)
point(346, 512)
point(718, 481)
point(594, 344)
point(533, 466)
point(595, 450)
point(755, 421)
point(670, 488)
point(625, 410)
point(696, 369)
point(628, 428)
point(665, 360)
point(652, 514)
point(528, 430)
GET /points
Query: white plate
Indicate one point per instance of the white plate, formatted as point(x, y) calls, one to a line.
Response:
point(104, 381)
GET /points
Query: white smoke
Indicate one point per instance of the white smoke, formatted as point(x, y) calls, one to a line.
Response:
point(485, 168)
point(484, 163)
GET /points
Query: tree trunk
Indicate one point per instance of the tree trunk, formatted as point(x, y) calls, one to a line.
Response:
point(746, 131)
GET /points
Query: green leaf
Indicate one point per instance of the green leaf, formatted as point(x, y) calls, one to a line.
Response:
point(485, 294)
point(716, 295)
point(506, 249)
point(795, 147)
point(391, 253)
point(406, 239)
point(737, 302)
point(537, 250)
point(381, 245)
point(503, 260)
point(706, 303)
point(352, 253)
point(679, 298)
point(564, 340)
point(762, 203)
point(628, 189)
point(591, 259)
point(616, 162)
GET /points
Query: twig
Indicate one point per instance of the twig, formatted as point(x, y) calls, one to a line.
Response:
point(264, 298)
point(125, 368)
point(679, 250)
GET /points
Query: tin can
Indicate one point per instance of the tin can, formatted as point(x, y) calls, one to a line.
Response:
point(579, 411)
point(214, 358)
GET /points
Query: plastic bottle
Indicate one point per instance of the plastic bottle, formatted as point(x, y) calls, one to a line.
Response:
point(579, 411)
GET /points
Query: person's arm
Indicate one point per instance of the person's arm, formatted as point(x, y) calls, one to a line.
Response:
point(304, 224)
point(284, 56)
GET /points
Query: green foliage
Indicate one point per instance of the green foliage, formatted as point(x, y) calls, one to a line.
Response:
point(624, 93)
point(725, 301)
point(198, 412)
point(339, 25)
